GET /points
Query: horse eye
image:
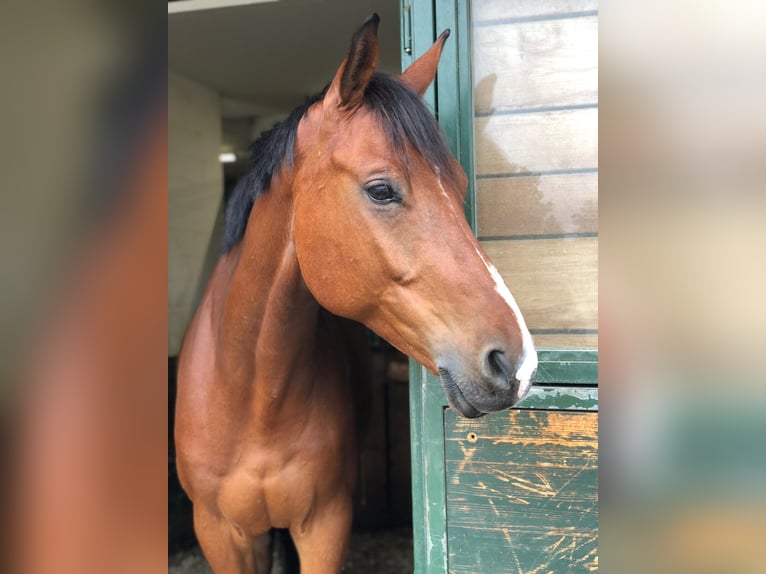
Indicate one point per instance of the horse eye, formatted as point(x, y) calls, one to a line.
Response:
point(382, 193)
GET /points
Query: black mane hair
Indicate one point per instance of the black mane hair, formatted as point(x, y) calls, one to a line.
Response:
point(402, 114)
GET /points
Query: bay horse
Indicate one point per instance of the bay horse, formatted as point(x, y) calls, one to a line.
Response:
point(352, 209)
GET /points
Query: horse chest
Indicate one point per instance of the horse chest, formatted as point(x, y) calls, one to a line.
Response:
point(279, 487)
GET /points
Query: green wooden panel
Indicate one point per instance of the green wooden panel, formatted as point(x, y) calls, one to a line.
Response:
point(429, 503)
point(522, 492)
point(454, 91)
point(560, 398)
point(418, 34)
point(430, 416)
point(571, 367)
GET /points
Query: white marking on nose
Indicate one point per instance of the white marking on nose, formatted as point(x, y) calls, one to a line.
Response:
point(528, 362)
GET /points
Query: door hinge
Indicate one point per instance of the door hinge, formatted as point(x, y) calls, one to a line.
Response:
point(407, 28)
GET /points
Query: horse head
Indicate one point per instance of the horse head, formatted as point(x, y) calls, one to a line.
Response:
point(381, 237)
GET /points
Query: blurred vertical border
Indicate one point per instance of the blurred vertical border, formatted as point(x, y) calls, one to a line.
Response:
point(83, 287)
point(682, 283)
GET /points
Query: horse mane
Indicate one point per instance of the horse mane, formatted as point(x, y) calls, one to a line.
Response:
point(402, 114)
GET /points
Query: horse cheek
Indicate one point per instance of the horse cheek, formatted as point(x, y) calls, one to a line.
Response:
point(321, 263)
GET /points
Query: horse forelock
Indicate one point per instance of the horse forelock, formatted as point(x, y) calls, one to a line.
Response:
point(404, 118)
point(408, 122)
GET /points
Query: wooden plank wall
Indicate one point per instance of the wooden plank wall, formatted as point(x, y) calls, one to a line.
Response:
point(535, 67)
point(522, 486)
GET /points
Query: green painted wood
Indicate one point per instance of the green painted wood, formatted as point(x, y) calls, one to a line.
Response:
point(429, 503)
point(573, 355)
point(560, 398)
point(418, 34)
point(431, 421)
point(571, 367)
point(454, 91)
point(522, 492)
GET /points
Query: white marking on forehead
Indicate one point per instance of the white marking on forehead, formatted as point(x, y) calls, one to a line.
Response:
point(438, 173)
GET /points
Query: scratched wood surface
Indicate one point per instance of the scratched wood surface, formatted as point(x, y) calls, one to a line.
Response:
point(522, 492)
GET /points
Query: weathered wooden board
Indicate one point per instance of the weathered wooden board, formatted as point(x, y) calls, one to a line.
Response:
point(522, 143)
point(482, 10)
point(537, 205)
point(574, 367)
point(553, 397)
point(566, 341)
point(535, 64)
point(522, 492)
point(554, 281)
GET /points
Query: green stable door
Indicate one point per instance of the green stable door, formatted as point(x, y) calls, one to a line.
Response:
point(517, 96)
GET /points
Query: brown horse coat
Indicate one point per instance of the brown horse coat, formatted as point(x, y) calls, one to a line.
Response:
point(363, 221)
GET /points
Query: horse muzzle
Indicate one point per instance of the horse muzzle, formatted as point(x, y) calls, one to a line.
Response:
point(497, 385)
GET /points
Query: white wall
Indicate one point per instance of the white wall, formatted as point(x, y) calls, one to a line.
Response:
point(195, 191)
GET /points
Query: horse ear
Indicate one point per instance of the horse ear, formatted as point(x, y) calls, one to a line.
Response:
point(351, 79)
point(422, 71)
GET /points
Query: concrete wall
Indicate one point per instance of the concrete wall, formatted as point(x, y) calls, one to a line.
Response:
point(195, 191)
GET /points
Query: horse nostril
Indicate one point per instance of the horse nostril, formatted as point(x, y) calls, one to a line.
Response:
point(499, 365)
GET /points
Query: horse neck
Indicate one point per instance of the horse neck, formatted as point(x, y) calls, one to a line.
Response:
point(269, 322)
